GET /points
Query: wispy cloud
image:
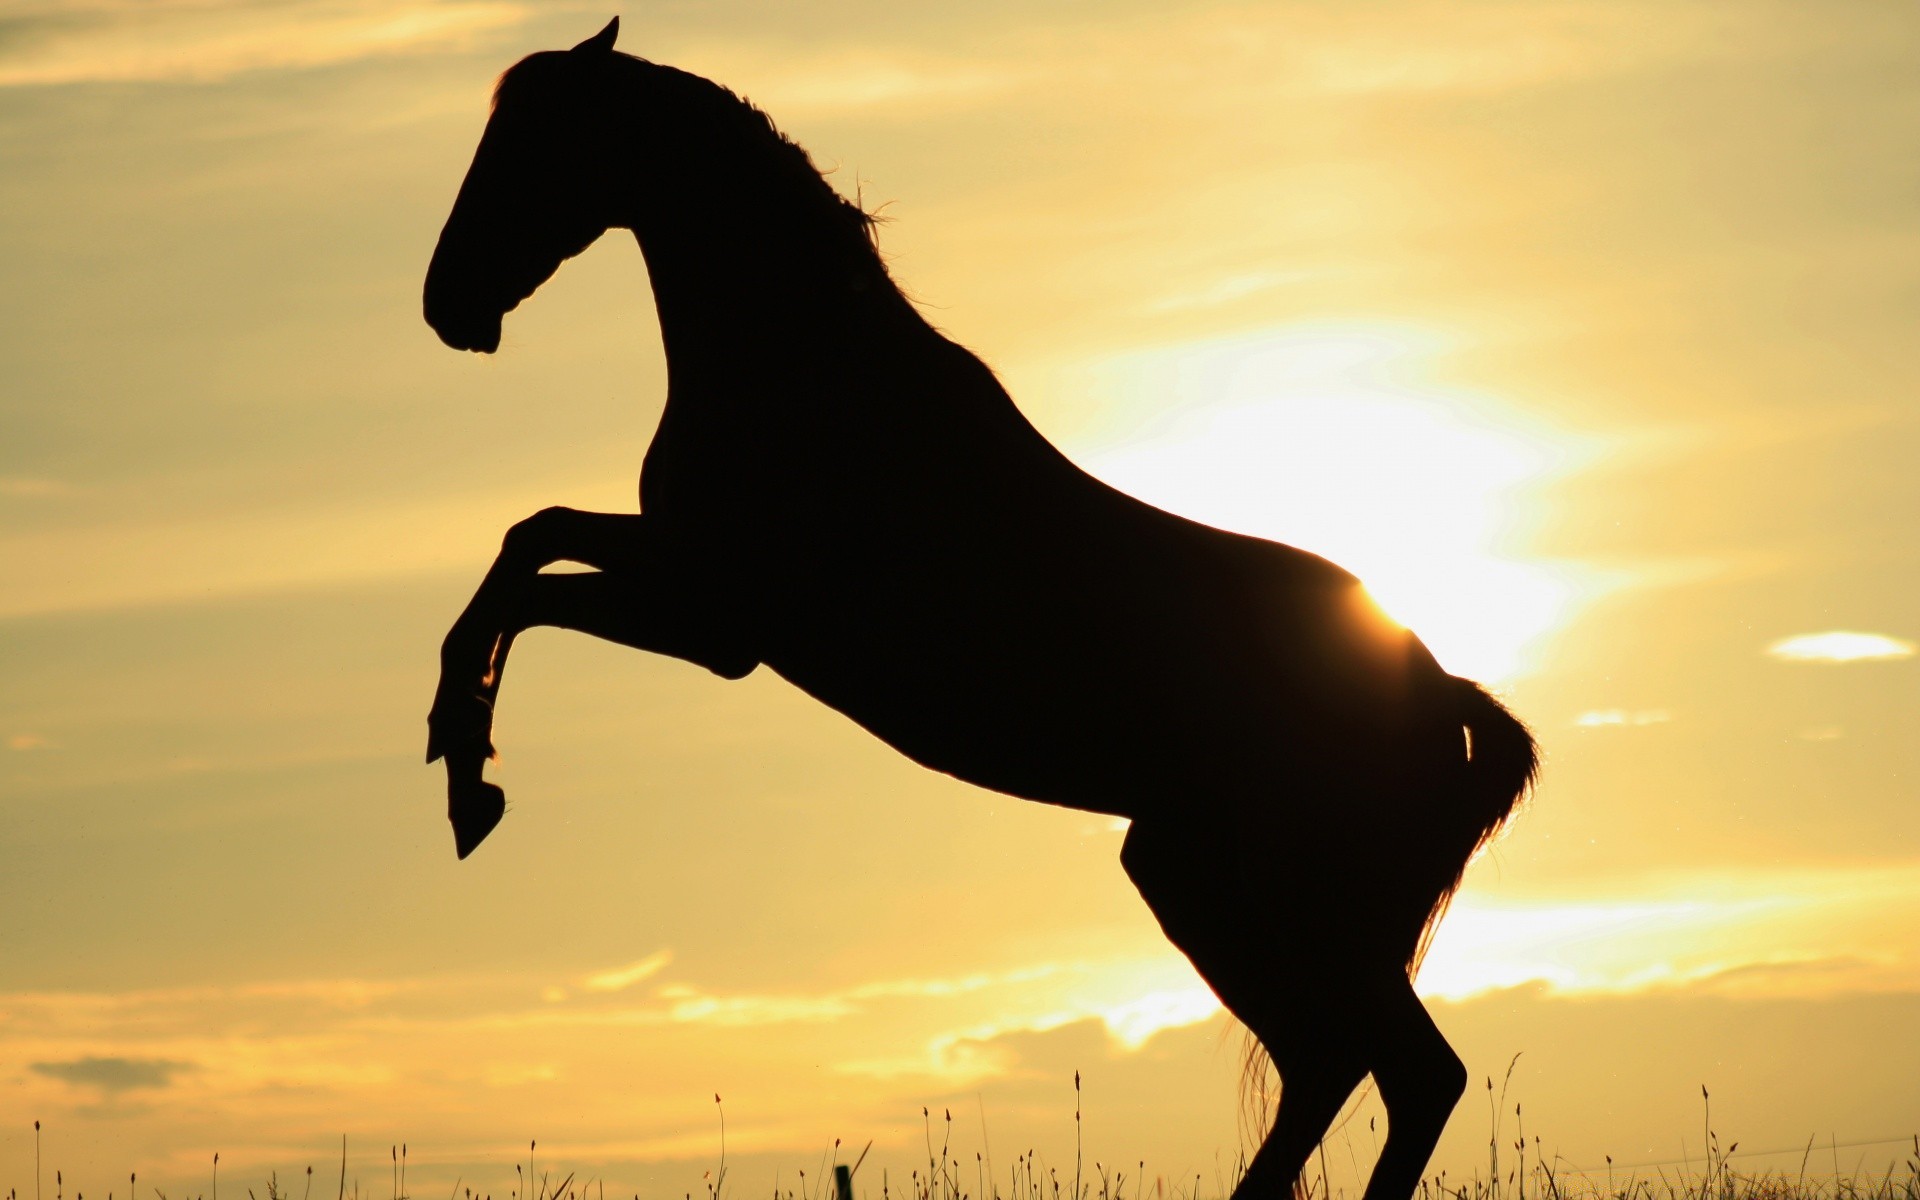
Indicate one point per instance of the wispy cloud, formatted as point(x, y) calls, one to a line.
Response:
point(893, 81)
point(683, 1003)
point(171, 1012)
point(176, 40)
point(1468, 49)
point(1619, 718)
point(688, 1005)
point(1840, 646)
point(194, 558)
point(621, 978)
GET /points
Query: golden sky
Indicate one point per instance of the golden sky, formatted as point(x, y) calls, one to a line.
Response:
point(1583, 332)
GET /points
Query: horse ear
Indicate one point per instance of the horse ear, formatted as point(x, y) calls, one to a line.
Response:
point(601, 42)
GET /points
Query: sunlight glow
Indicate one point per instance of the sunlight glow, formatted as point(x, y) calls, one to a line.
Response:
point(1806, 932)
point(1329, 439)
point(1840, 646)
point(1132, 1023)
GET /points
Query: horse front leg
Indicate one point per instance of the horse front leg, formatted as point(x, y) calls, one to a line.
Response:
point(474, 652)
point(640, 599)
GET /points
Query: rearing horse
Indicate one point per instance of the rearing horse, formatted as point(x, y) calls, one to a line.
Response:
point(839, 492)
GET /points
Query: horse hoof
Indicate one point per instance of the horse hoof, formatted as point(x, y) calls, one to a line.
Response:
point(474, 811)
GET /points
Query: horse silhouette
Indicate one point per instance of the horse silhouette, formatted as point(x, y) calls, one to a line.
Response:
point(838, 491)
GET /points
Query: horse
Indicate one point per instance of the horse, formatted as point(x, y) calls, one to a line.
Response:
point(839, 492)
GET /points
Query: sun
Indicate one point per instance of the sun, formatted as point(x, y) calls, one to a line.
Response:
point(1335, 440)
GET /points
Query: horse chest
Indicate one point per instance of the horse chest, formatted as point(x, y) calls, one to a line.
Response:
point(699, 468)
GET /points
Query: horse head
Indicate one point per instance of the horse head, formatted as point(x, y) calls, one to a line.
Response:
point(540, 191)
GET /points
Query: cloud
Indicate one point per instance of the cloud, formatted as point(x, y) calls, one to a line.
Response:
point(1605, 718)
point(1673, 932)
point(183, 1011)
point(1839, 972)
point(1251, 51)
point(892, 81)
point(691, 1006)
point(200, 42)
point(688, 1004)
point(625, 977)
point(1840, 646)
point(160, 560)
point(1132, 999)
point(114, 1074)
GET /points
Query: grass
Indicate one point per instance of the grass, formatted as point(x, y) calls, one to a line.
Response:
point(1516, 1170)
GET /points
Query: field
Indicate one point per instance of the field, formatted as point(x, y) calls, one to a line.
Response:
point(1517, 1167)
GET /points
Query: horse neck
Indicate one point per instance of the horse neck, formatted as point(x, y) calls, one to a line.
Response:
point(751, 255)
point(731, 289)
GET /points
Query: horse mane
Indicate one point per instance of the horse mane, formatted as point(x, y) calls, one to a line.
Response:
point(733, 113)
point(865, 225)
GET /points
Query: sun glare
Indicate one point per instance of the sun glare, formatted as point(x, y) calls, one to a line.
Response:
point(1326, 438)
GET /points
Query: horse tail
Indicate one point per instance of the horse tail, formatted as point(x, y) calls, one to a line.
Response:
point(1502, 764)
point(1503, 760)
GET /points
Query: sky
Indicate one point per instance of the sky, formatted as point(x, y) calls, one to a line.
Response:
point(1581, 332)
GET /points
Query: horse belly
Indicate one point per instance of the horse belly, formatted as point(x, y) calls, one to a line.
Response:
point(1003, 749)
point(1048, 725)
point(1087, 713)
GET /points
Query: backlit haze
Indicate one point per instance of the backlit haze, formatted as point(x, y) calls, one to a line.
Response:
point(1584, 333)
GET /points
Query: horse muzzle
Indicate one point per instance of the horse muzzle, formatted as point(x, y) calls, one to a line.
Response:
point(480, 335)
point(460, 317)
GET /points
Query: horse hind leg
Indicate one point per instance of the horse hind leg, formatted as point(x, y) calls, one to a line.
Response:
point(1420, 1079)
point(1316, 1078)
point(1323, 1050)
point(1325, 994)
point(1255, 958)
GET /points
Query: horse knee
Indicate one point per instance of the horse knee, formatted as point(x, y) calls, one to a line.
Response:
point(1443, 1077)
point(527, 539)
point(1421, 1079)
point(1453, 1077)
